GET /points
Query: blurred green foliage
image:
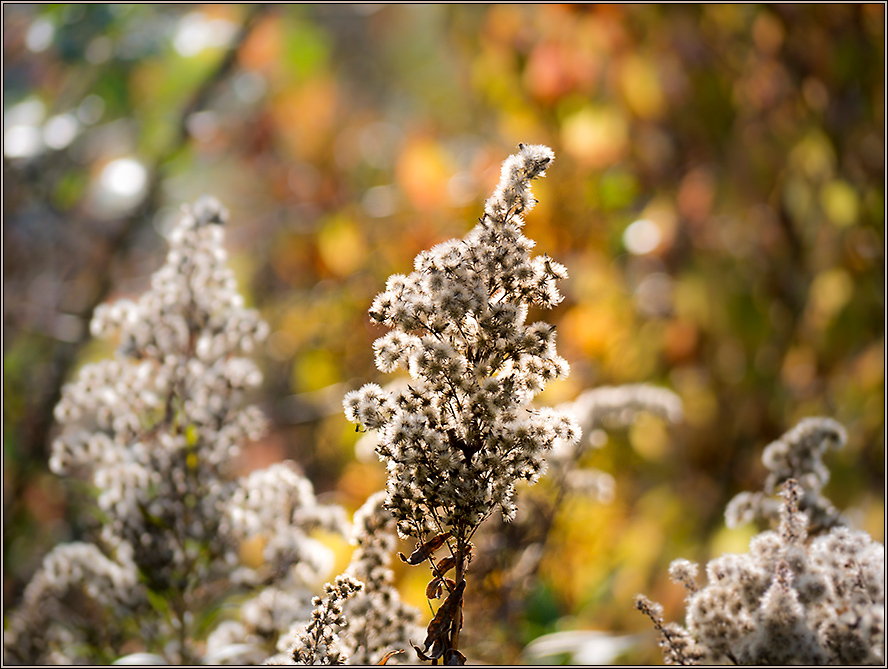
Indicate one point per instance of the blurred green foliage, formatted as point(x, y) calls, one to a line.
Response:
point(718, 198)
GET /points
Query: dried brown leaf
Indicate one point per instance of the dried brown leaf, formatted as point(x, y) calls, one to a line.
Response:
point(454, 657)
point(389, 656)
point(439, 627)
point(419, 653)
point(445, 564)
point(433, 589)
point(422, 553)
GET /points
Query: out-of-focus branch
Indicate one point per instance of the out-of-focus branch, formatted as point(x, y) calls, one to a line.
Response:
point(117, 241)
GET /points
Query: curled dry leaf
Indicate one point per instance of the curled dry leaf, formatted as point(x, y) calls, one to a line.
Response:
point(433, 589)
point(422, 656)
point(389, 656)
point(422, 553)
point(445, 564)
point(439, 628)
point(454, 658)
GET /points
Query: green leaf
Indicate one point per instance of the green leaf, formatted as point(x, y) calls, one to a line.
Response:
point(158, 602)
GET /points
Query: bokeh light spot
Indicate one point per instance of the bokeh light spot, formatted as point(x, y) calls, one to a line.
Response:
point(40, 35)
point(124, 177)
point(22, 141)
point(840, 202)
point(197, 32)
point(642, 237)
point(60, 131)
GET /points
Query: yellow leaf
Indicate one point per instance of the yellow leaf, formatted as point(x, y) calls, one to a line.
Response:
point(840, 203)
point(640, 85)
point(341, 246)
point(595, 136)
point(251, 550)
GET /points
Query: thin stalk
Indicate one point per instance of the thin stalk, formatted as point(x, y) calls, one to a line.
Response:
point(460, 576)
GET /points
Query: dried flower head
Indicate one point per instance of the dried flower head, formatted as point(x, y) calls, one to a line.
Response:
point(463, 431)
point(380, 624)
point(155, 430)
point(798, 454)
point(318, 642)
point(792, 599)
point(598, 411)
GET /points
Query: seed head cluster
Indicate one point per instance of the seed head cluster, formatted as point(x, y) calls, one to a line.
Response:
point(155, 430)
point(463, 431)
point(380, 623)
point(794, 598)
point(318, 641)
point(598, 411)
point(798, 454)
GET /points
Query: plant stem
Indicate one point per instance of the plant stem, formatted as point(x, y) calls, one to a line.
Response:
point(460, 576)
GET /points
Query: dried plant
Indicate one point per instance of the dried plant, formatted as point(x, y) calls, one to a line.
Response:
point(508, 555)
point(372, 624)
point(318, 641)
point(599, 411)
point(381, 624)
point(792, 599)
point(463, 431)
point(798, 454)
point(155, 430)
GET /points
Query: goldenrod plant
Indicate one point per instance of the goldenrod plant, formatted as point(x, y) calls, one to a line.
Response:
point(810, 591)
point(154, 431)
point(463, 431)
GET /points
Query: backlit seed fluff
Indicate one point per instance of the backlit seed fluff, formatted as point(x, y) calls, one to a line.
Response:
point(462, 430)
point(155, 431)
point(807, 592)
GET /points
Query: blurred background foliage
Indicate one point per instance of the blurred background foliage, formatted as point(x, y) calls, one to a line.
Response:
point(718, 199)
